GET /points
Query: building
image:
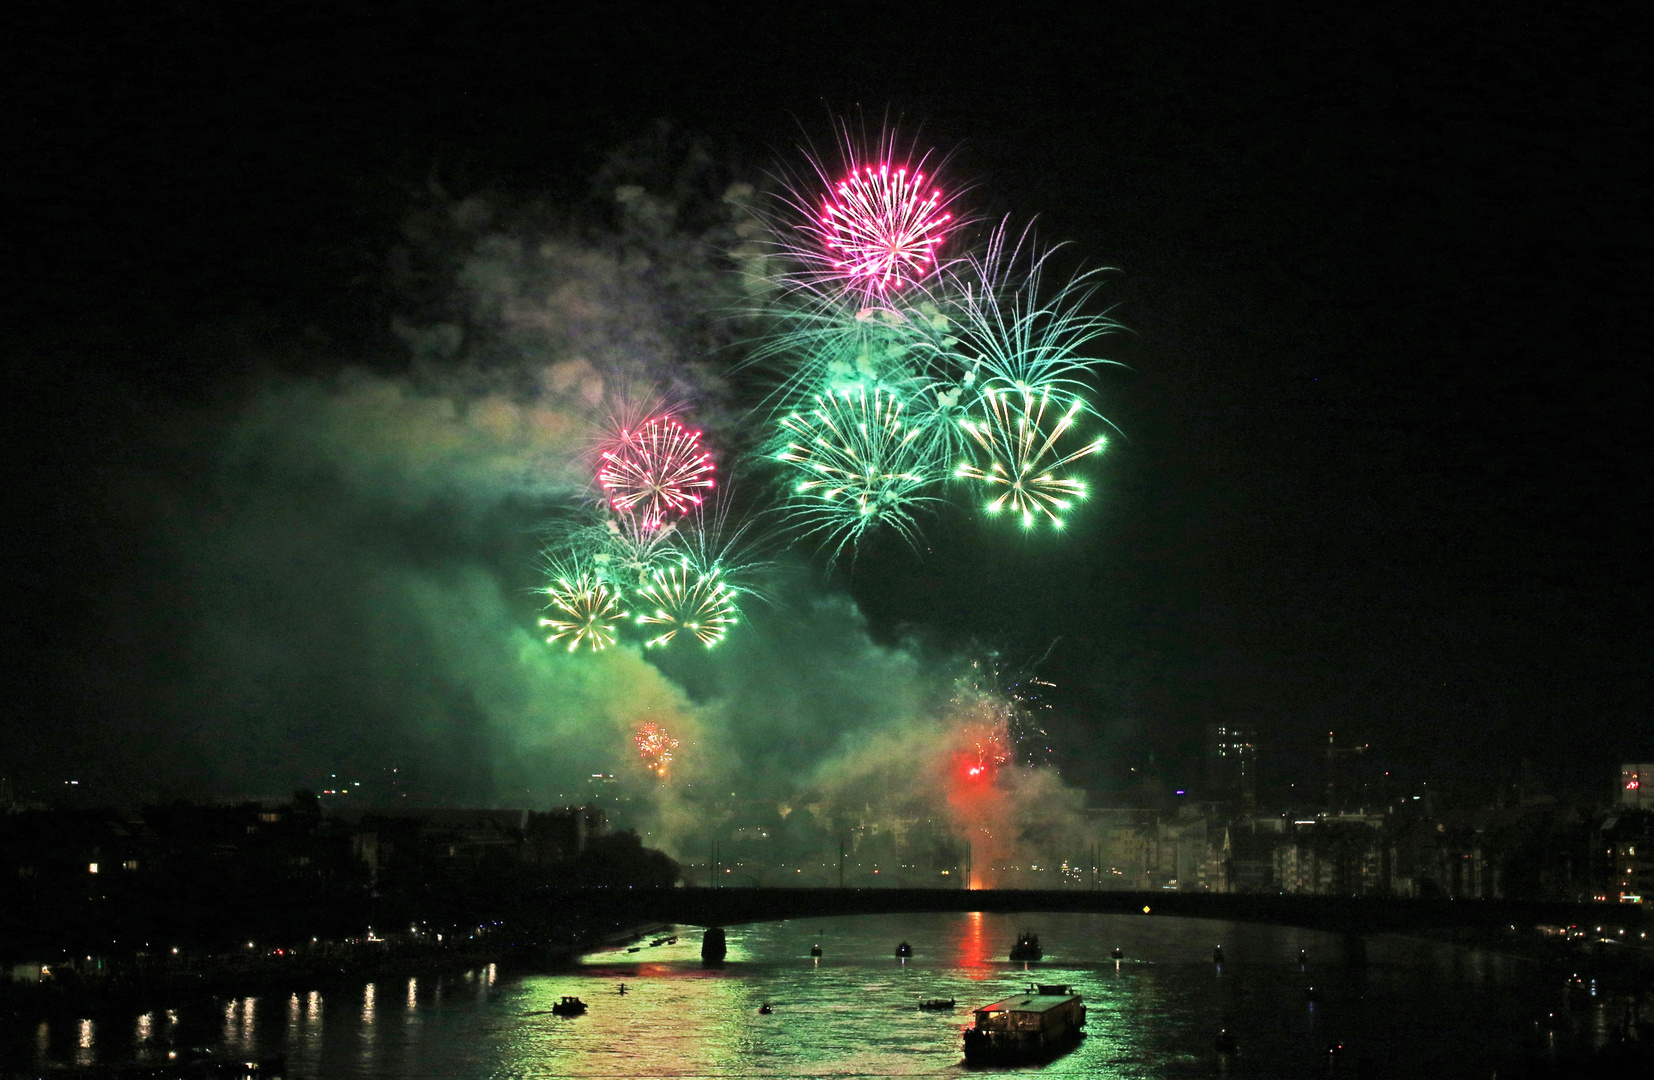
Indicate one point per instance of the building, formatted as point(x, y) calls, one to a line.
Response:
point(1627, 841)
point(1232, 764)
point(1636, 790)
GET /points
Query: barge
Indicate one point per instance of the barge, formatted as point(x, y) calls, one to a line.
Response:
point(1033, 1026)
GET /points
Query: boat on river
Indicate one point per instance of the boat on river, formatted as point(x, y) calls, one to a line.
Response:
point(569, 1006)
point(936, 1004)
point(1036, 1025)
point(1027, 948)
point(904, 950)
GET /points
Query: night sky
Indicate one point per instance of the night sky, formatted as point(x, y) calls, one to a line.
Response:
point(1386, 277)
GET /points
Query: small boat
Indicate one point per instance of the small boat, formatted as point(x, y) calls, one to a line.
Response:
point(673, 940)
point(815, 950)
point(1303, 957)
point(1034, 1026)
point(1119, 954)
point(936, 1004)
point(635, 948)
point(657, 943)
point(1027, 948)
point(1217, 955)
point(569, 1006)
point(1226, 1043)
point(904, 950)
point(764, 1009)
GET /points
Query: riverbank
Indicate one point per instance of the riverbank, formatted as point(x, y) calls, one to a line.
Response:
point(155, 983)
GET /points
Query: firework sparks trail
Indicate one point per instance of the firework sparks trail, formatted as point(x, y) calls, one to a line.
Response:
point(1023, 463)
point(1011, 329)
point(655, 745)
point(863, 465)
point(882, 226)
point(655, 472)
point(585, 610)
point(690, 600)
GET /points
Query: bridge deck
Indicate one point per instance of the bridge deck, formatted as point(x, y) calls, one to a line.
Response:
point(1340, 914)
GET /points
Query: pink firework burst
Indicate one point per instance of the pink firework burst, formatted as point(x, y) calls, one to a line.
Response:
point(882, 225)
point(655, 472)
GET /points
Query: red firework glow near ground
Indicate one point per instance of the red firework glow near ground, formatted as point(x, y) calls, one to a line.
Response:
point(655, 472)
point(883, 226)
point(655, 746)
point(976, 802)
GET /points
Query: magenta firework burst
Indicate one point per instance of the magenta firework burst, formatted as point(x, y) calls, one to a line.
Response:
point(882, 225)
point(655, 472)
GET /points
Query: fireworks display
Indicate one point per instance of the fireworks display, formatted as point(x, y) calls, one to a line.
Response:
point(687, 599)
point(654, 746)
point(585, 610)
point(882, 225)
point(655, 472)
point(1022, 464)
point(907, 369)
point(901, 372)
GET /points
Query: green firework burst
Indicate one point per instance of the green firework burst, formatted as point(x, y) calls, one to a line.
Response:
point(858, 462)
point(1022, 469)
point(584, 609)
point(687, 599)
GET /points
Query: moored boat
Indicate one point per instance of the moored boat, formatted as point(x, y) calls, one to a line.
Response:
point(1033, 1026)
point(904, 950)
point(936, 1004)
point(569, 1006)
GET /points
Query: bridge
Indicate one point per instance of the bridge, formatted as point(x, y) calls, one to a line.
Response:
point(1348, 915)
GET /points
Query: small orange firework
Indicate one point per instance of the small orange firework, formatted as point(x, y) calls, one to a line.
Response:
point(655, 745)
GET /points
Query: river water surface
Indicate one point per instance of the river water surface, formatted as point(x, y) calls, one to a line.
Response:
point(1417, 1009)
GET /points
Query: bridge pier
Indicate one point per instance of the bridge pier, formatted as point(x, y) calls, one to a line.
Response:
point(713, 947)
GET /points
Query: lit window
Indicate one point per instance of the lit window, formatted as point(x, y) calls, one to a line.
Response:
point(91, 868)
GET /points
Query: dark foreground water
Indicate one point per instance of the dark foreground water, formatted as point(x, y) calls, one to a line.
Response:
point(1416, 1010)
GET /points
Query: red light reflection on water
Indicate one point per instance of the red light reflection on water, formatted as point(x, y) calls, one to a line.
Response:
point(973, 948)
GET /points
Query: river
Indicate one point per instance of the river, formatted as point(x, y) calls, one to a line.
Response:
point(1415, 1009)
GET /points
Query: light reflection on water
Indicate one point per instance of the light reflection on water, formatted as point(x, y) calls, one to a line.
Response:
point(1417, 1009)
